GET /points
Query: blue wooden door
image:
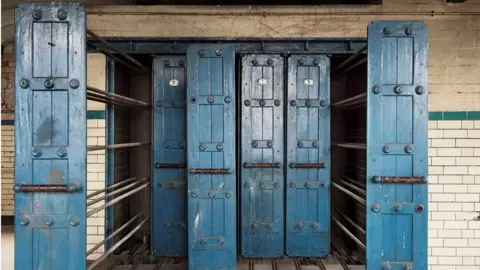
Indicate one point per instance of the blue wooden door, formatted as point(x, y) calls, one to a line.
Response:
point(169, 210)
point(308, 156)
point(211, 157)
point(50, 137)
point(262, 156)
point(397, 116)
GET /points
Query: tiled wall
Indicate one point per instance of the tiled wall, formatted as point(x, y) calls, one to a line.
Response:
point(7, 167)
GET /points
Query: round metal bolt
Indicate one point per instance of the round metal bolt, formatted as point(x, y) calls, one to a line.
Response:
point(276, 185)
point(247, 103)
point(246, 185)
point(254, 144)
point(387, 31)
point(292, 185)
point(397, 90)
point(419, 90)
point(322, 185)
point(181, 144)
point(157, 165)
point(203, 241)
point(174, 185)
point(194, 194)
point(159, 185)
point(24, 83)
point(299, 225)
point(314, 225)
point(24, 221)
point(300, 144)
point(291, 165)
point(262, 103)
point(376, 179)
point(228, 99)
point(424, 179)
point(218, 52)
point(269, 144)
point(211, 99)
point(308, 103)
point(316, 62)
point(166, 63)
point(173, 103)
point(386, 149)
point(293, 102)
point(397, 208)
point(301, 62)
point(49, 83)
point(376, 90)
point(254, 62)
point(220, 240)
point(62, 14)
point(36, 152)
point(408, 267)
point(323, 103)
point(202, 147)
point(228, 194)
point(254, 226)
point(269, 62)
point(16, 188)
point(193, 100)
point(315, 144)
point(181, 63)
point(62, 152)
point(159, 103)
point(408, 31)
point(262, 185)
point(37, 14)
point(408, 149)
point(220, 146)
point(276, 102)
point(375, 208)
point(386, 267)
point(74, 221)
point(166, 225)
point(201, 52)
point(419, 208)
point(74, 83)
point(270, 227)
point(49, 221)
point(211, 194)
point(166, 145)
point(74, 188)
point(307, 185)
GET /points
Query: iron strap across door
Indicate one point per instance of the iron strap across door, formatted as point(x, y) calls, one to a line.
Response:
point(211, 157)
point(50, 136)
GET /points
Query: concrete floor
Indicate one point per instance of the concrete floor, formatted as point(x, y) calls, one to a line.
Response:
point(7, 248)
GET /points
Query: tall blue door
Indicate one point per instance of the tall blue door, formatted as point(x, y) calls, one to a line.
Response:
point(397, 117)
point(262, 156)
point(211, 157)
point(169, 210)
point(50, 137)
point(308, 156)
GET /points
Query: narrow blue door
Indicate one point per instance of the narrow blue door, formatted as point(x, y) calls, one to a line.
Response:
point(397, 116)
point(211, 157)
point(169, 210)
point(262, 155)
point(308, 156)
point(50, 137)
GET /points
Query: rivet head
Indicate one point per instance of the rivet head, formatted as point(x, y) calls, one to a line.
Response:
point(323, 103)
point(299, 225)
point(74, 83)
point(201, 52)
point(173, 103)
point(159, 185)
point(316, 62)
point(24, 83)
point(218, 52)
point(166, 63)
point(24, 220)
point(254, 144)
point(255, 62)
point(386, 149)
point(202, 147)
point(203, 241)
point(262, 185)
point(387, 30)
point(181, 63)
point(247, 103)
point(308, 103)
point(276, 185)
point(301, 62)
point(49, 83)
point(74, 221)
point(246, 185)
point(397, 208)
point(375, 208)
point(194, 194)
point(219, 146)
point(419, 208)
point(193, 100)
point(228, 99)
point(419, 90)
point(291, 165)
point(307, 185)
point(314, 225)
point(62, 151)
point(220, 240)
point(174, 185)
point(181, 144)
point(315, 144)
point(292, 185)
point(293, 102)
point(37, 14)
point(159, 103)
point(62, 14)
point(49, 221)
point(228, 194)
point(408, 31)
point(166, 145)
point(376, 179)
point(322, 185)
point(211, 99)
point(254, 226)
point(270, 227)
point(16, 188)
point(424, 179)
point(376, 90)
point(211, 194)
point(300, 144)
point(408, 149)
point(269, 144)
point(166, 225)
point(276, 102)
point(269, 62)
point(157, 165)
point(36, 152)
point(262, 103)
point(397, 90)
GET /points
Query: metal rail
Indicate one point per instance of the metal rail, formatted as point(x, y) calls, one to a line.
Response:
point(139, 250)
point(95, 36)
point(120, 190)
point(111, 187)
point(261, 165)
point(350, 59)
point(112, 202)
point(115, 146)
point(118, 244)
point(102, 99)
point(347, 232)
point(346, 191)
point(363, 61)
point(118, 97)
point(362, 185)
point(360, 229)
point(350, 185)
point(210, 171)
point(113, 234)
point(355, 100)
point(358, 146)
point(117, 59)
point(320, 165)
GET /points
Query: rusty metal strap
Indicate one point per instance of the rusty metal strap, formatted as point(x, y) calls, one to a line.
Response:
point(210, 171)
point(47, 188)
point(261, 165)
point(397, 180)
point(307, 165)
point(169, 165)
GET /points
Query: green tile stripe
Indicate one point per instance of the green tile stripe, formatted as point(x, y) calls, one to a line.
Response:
point(473, 115)
point(90, 115)
point(8, 122)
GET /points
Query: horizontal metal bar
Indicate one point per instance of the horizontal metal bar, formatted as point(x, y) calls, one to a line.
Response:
point(107, 100)
point(117, 59)
point(139, 250)
point(320, 165)
point(140, 260)
point(347, 232)
point(210, 171)
point(362, 185)
point(350, 59)
point(348, 192)
point(361, 62)
point(95, 36)
point(47, 188)
point(170, 165)
point(114, 201)
point(399, 180)
point(358, 146)
point(118, 244)
point(123, 182)
point(261, 165)
point(117, 96)
point(360, 229)
point(110, 236)
point(349, 100)
point(115, 146)
point(115, 192)
point(352, 186)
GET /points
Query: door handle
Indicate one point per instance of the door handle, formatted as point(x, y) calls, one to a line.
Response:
point(396, 180)
point(261, 165)
point(307, 165)
point(169, 165)
point(210, 171)
point(70, 188)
